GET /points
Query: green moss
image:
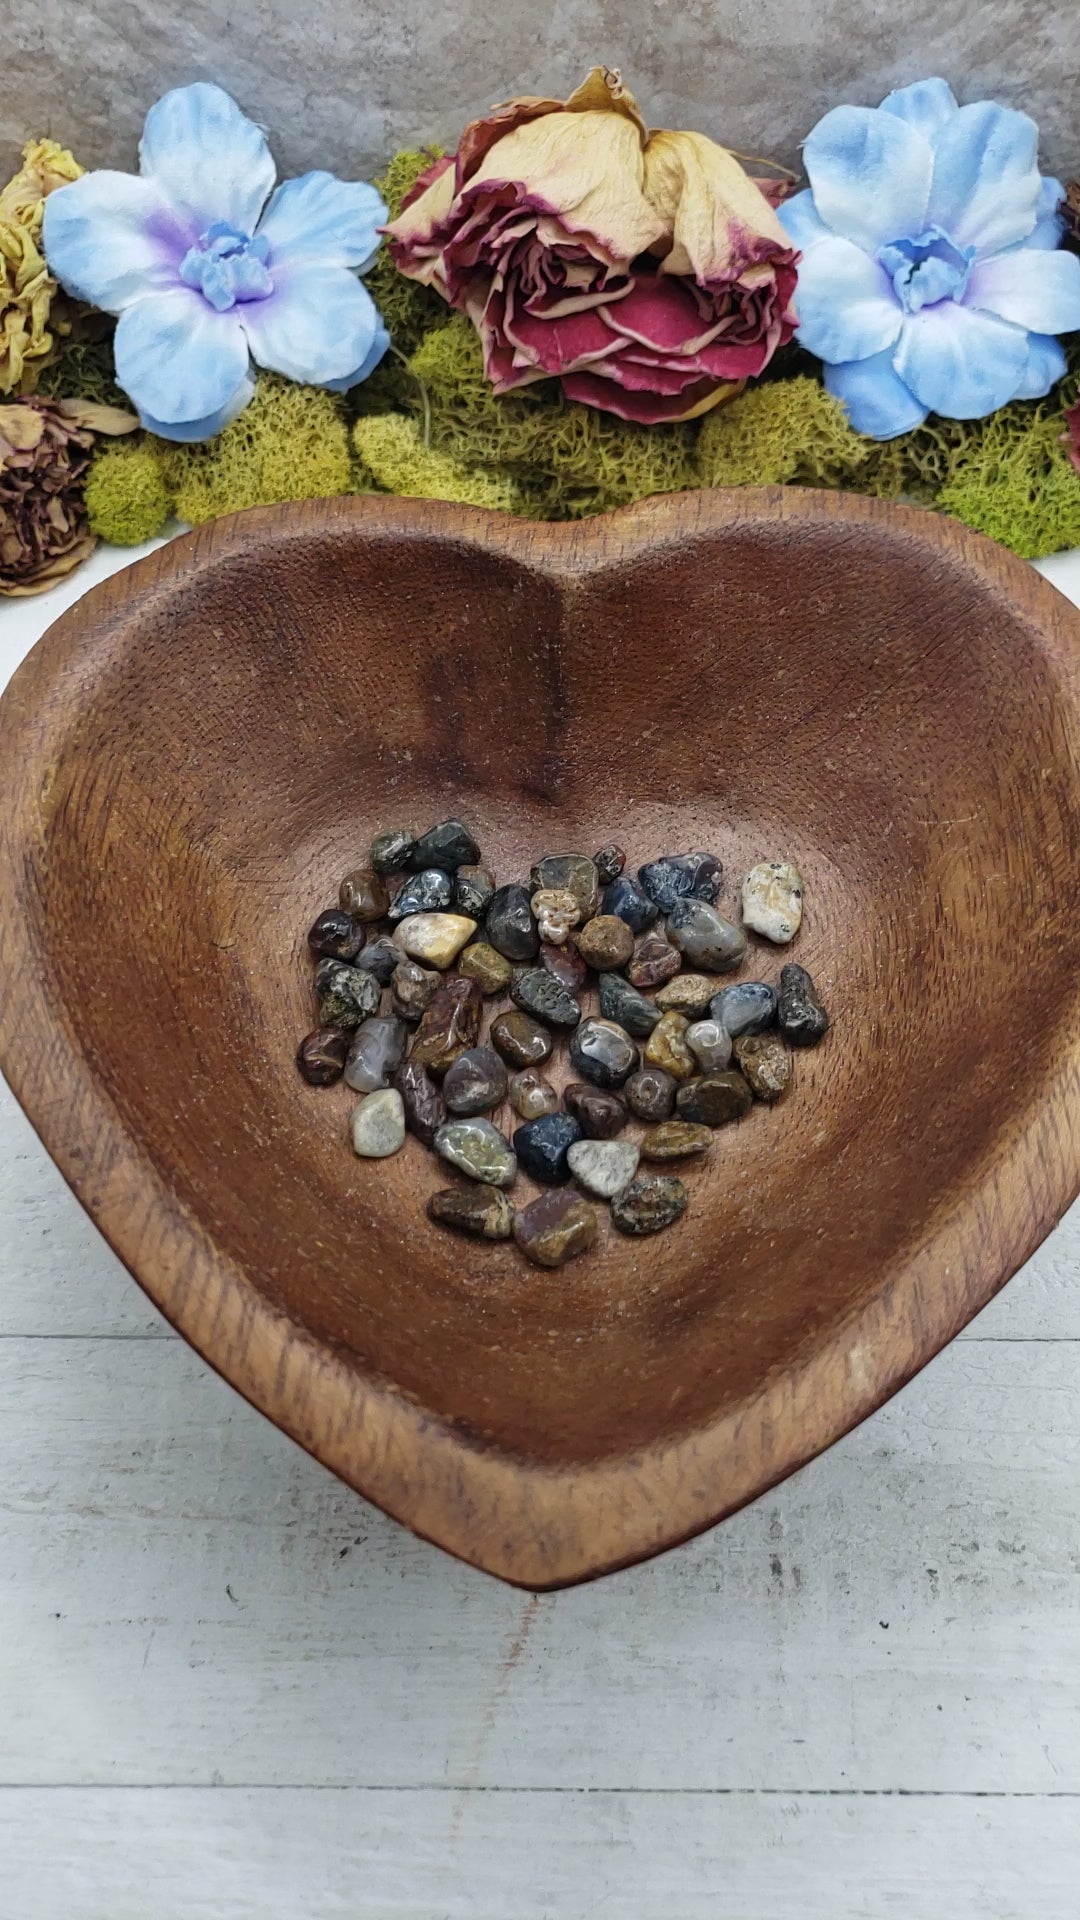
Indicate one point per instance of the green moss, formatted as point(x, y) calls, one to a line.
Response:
point(290, 443)
point(793, 432)
point(1014, 480)
point(408, 309)
point(126, 497)
point(394, 459)
point(569, 459)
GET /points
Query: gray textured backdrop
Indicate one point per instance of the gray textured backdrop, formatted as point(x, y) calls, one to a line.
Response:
point(342, 83)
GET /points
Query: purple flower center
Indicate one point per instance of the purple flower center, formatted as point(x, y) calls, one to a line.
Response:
point(227, 266)
point(926, 269)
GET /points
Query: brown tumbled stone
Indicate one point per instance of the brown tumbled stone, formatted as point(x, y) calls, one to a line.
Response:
point(666, 1047)
point(565, 965)
point(531, 1095)
point(520, 1039)
point(605, 942)
point(714, 1098)
point(688, 993)
point(650, 1094)
point(599, 1114)
point(475, 1082)
point(675, 1140)
point(554, 1228)
point(482, 963)
point(425, 1108)
point(412, 989)
point(655, 960)
point(450, 1024)
point(321, 1055)
point(651, 1202)
point(364, 894)
point(482, 1211)
point(766, 1063)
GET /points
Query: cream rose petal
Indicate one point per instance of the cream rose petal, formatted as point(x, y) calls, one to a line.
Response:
point(415, 228)
point(588, 169)
point(710, 207)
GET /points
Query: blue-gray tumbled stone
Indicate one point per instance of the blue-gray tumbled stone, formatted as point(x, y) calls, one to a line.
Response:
point(625, 898)
point(749, 1007)
point(704, 937)
point(542, 1146)
point(680, 876)
point(429, 892)
point(621, 1002)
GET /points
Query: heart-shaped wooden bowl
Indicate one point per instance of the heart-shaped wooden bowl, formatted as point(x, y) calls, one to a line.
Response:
point(197, 751)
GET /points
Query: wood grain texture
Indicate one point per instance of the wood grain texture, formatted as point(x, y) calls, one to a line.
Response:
point(196, 752)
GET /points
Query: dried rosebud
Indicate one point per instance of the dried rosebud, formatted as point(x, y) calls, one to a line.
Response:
point(44, 454)
point(647, 271)
point(29, 300)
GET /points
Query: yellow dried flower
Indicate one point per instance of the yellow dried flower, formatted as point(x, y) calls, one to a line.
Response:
point(27, 289)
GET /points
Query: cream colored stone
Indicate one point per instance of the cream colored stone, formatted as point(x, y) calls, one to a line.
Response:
point(772, 897)
point(557, 912)
point(378, 1125)
point(434, 939)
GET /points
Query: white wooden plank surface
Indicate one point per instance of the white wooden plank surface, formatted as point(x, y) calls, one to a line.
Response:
point(231, 1691)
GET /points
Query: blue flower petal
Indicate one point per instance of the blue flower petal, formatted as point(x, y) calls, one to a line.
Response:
point(959, 362)
point(927, 105)
point(368, 365)
point(801, 221)
point(206, 157)
point(1049, 226)
point(177, 358)
point(986, 177)
point(1046, 365)
point(1030, 287)
point(845, 302)
point(318, 325)
point(110, 239)
point(877, 401)
point(870, 174)
point(317, 217)
point(210, 424)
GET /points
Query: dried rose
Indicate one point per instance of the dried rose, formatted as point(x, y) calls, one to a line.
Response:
point(44, 454)
point(647, 271)
point(27, 289)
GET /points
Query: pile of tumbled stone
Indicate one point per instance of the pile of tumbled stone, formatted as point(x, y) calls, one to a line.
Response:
point(672, 1048)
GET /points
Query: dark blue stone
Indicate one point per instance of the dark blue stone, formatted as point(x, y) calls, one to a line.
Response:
point(510, 926)
point(681, 876)
point(427, 892)
point(450, 845)
point(542, 1146)
point(380, 958)
point(621, 1002)
point(625, 898)
point(747, 1008)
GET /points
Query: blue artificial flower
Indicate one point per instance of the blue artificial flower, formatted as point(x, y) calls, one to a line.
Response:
point(208, 267)
point(930, 279)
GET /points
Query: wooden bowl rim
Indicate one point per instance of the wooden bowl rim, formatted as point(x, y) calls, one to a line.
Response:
point(529, 1524)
